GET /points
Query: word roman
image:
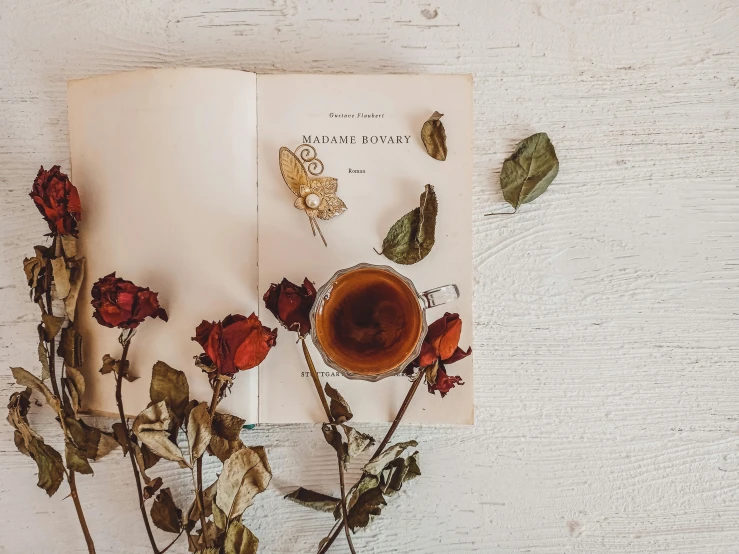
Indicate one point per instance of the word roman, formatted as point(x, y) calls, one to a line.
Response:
point(353, 139)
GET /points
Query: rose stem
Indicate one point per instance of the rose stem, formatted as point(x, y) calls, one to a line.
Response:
point(383, 444)
point(199, 492)
point(324, 402)
point(121, 413)
point(52, 374)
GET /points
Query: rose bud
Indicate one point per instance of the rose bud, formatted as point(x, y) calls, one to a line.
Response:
point(58, 201)
point(234, 344)
point(120, 303)
point(444, 383)
point(291, 304)
point(442, 342)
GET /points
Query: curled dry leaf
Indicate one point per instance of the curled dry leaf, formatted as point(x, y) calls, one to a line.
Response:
point(77, 273)
point(76, 461)
point(529, 171)
point(51, 325)
point(368, 506)
point(91, 441)
point(152, 488)
point(412, 237)
point(69, 246)
point(43, 358)
point(312, 499)
point(333, 437)
point(111, 365)
point(357, 442)
point(433, 136)
point(339, 408)
point(245, 474)
point(240, 540)
point(165, 514)
point(193, 514)
point(74, 382)
point(26, 379)
point(152, 428)
point(170, 385)
point(398, 472)
point(70, 347)
point(378, 463)
point(198, 431)
point(60, 271)
point(225, 439)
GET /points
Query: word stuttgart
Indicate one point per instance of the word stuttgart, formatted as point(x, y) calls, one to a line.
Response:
point(355, 139)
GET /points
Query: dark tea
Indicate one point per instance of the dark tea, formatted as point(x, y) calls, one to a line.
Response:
point(370, 323)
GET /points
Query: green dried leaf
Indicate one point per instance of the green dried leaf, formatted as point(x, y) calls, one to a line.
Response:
point(433, 136)
point(378, 463)
point(43, 357)
point(170, 385)
point(165, 514)
point(240, 540)
point(69, 245)
point(339, 408)
point(77, 274)
point(91, 441)
point(30, 443)
point(76, 461)
point(26, 379)
point(366, 483)
point(152, 428)
point(357, 442)
point(245, 475)
point(398, 472)
point(61, 277)
point(225, 436)
point(412, 237)
point(198, 431)
point(313, 499)
point(367, 507)
point(528, 172)
point(75, 385)
point(51, 325)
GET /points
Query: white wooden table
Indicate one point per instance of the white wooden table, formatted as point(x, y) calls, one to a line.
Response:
point(607, 312)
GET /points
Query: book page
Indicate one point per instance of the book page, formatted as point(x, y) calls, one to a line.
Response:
point(366, 130)
point(165, 163)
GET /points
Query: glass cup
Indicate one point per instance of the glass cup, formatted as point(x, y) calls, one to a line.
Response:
point(368, 321)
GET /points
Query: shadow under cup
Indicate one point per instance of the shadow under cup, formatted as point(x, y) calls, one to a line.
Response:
point(369, 321)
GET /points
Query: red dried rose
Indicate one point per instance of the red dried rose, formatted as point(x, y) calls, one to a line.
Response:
point(58, 201)
point(291, 304)
point(442, 342)
point(120, 303)
point(444, 383)
point(234, 344)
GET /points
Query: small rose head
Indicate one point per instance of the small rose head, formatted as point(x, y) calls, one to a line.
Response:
point(291, 304)
point(57, 200)
point(235, 344)
point(120, 303)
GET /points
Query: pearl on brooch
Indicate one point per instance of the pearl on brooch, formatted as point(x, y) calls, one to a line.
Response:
point(312, 200)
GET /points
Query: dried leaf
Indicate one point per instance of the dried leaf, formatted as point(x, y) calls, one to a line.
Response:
point(225, 436)
point(219, 517)
point(119, 434)
point(51, 325)
point(69, 245)
point(240, 540)
point(91, 441)
point(76, 461)
point(193, 514)
point(528, 172)
point(152, 428)
point(75, 385)
point(357, 442)
point(77, 274)
point(26, 379)
point(366, 483)
point(378, 463)
point(198, 431)
point(70, 347)
point(339, 408)
point(412, 237)
point(61, 277)
point(165, 514)
point(312, 499)
point(111, 365)
point(138, 455)
point(398, 472)
point(43, 357)
point(433, 136)
point(333, 437)
point(32, 268)
point(367, 507)
point(30, 443)
point(245, 474)
point(152, 488)
point(170, 385)
point(208, 551)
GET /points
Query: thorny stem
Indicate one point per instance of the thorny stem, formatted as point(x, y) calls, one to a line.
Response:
point(199, 487)
point(324, 403)
point(383, 444)
point(121, 413)
point(55, 387)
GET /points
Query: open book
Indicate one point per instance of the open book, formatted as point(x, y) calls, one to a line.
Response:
point(179, 177)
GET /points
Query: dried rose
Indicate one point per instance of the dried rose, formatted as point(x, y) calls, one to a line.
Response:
point(442, 342)
point(58, 201)
point(444, 383)
point(120, 303)
point(291, 304)
point(234, 344)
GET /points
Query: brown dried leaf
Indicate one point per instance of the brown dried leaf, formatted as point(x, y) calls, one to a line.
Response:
point(61, 277)
point(69, 245)
point(240, 540)
point(75, 385)
point(77, 274)
point(26, 379)
point(368, 506)
point(357, 442)
point(312, 499)
point(152, 488)
point(119, 434)
point(43, 357)
point(398, 472)
point(76, 461)
point(165, 514)
point(333, 437)
point(198, 431)
point(111, 365)
point(91, 441)
point(70, 347)
point(433, 136)
point(245, 474)
point(152, 426)
point(339, 407)
point(51, 325)
point(378, 463)
point(170, 385)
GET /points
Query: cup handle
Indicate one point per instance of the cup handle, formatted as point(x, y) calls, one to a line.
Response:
point(438, 296)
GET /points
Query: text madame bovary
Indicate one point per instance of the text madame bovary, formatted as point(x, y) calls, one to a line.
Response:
point(356, 139)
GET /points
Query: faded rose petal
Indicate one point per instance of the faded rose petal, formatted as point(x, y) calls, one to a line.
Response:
point(444, 383)
point(120, 303)
point(291, 304)
point(57, 200)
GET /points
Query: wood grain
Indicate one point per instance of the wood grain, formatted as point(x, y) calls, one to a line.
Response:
point(606, 311)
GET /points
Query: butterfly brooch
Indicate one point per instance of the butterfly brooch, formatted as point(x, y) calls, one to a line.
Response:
point(316, 195)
